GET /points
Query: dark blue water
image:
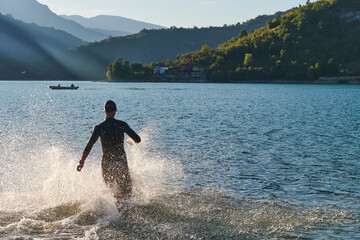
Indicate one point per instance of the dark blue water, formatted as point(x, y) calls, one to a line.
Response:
point(217, 161)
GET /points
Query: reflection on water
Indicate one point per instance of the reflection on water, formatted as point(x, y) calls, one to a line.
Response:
point(216, 161)
point(93, 89)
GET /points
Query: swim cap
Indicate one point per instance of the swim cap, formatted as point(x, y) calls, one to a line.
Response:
point(110, 106)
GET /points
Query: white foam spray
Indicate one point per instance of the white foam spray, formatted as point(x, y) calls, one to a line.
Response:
point(40, 184)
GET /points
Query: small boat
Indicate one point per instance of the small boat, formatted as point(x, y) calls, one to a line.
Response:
point(63, 88)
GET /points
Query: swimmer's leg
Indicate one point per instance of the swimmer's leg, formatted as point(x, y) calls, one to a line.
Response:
point(123, 187)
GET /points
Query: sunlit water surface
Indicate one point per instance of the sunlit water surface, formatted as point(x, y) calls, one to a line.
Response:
point(217, 161)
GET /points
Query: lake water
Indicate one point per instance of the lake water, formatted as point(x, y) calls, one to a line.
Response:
point(217, 161)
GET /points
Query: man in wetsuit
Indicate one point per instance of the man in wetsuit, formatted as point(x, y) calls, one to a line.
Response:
point(114, 166)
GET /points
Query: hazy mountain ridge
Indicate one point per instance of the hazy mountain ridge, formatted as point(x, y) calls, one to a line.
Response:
point(31, 11)
point(29, 42)
point(111, 33)
point(111, 23)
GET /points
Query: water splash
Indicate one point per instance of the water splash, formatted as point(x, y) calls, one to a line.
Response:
point(152, 172)
point(42, 193)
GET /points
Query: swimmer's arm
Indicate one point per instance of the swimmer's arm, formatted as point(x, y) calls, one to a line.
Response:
point(82, 161)
point(136, 138)
point(131, 133)
point(94, 137)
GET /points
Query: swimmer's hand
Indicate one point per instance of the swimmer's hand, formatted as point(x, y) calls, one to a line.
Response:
point(80, 166)
point(130, 141)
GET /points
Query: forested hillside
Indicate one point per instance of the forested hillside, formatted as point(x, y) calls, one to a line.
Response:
point(162, 44)
point(311, 41)
point(90, 61)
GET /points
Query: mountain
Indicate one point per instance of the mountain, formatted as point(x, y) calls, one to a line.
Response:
point(112, 23)
point(90, 61)
point(111, 33)
point(29, 42)
point(22, 45)
point(88, 29)
point(312, 41)
point(163, 44)
point(31, 11)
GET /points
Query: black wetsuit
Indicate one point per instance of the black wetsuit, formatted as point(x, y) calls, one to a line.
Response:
point(115, 170)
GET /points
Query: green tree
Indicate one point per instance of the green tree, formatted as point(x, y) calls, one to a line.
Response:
point(249, 59)
point(243, 33)
point(205, 49)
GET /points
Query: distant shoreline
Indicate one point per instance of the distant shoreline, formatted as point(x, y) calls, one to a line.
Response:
point(335, 81)
point(322, 80)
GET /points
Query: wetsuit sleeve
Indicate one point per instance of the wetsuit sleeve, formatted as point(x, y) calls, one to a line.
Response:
point(94, 137)
point(132, 133)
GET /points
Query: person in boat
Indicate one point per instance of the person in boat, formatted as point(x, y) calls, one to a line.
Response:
point(114, 166)
point(72, 85)
point(59, 85)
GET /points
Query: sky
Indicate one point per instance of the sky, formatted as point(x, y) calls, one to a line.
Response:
point(179, 13)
